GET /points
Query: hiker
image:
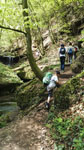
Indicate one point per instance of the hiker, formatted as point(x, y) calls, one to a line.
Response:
point(76, 49)
point(70, 52)
point(52, 84)
point(62, 52)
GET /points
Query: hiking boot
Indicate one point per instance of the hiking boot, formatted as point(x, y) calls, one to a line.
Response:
point(47, 105)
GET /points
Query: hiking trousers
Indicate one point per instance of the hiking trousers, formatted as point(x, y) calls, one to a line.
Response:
point(74, 55)
point(70, 58)
point(62, 61)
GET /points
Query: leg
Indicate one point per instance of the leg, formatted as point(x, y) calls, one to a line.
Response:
point(48, 100)
point(71, 59)
point(60, 63)
point(49, 95)
point(63, 63)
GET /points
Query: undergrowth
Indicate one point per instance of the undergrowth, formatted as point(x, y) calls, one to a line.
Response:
point(67, 133)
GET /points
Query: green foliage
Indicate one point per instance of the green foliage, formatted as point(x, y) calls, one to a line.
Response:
point(10, 16)
point(2, 124)
point(3, 120)
point(40, 16)
point(68, 133)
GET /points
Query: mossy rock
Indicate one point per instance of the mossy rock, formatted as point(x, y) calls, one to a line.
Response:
point(24, 72)
point(30, 94)
point(78, 64)
point(77, 67)
point(8, 79)
point(7, 76)
point(68, 93)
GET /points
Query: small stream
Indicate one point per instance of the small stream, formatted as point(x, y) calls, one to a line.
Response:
point(9, 60)
point(8, 107)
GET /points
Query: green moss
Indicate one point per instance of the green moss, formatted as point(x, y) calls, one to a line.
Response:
point(78, 64)
point(67, 94)
point(30, 94)
point(25, 73)
point(7, 75)
point(51, 67)
point(68, 133)
point(81, 40)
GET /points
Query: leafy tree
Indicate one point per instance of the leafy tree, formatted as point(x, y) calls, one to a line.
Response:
point(31, 59)
point(13, 23)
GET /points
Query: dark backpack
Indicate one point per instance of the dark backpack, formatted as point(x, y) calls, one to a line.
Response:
point(70, 51)
point(62, 50)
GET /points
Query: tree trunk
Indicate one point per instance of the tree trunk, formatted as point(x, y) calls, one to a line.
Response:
point(31, 59)
point(42, 47)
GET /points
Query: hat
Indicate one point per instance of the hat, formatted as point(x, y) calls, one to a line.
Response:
point(58, 72)
point(62, 45)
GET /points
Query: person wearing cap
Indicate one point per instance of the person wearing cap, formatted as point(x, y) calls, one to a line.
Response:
point(62, 52)
point(54, 82)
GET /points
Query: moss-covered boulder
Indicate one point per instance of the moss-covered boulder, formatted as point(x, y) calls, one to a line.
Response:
point(8, 77)
point(70, 92)
point(78, 64)
point(24, 72)
point(30, 94)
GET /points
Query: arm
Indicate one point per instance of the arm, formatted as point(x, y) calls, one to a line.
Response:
point(58, 84)
point(56, 81)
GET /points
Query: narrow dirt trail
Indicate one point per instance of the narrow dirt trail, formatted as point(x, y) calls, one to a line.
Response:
point(30, 133)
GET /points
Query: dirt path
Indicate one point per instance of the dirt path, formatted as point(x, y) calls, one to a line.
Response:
point(30, 133)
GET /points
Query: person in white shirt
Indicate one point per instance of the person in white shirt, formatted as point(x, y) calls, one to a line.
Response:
point(62, 52)
point(54, 82)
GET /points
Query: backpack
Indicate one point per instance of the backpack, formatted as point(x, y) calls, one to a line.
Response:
point(62, 50)
point(76, 49)
point(47, 77)
point(70, 51)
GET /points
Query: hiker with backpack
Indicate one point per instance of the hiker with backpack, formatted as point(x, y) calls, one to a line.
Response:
point(70, 52)
point(62, 52)
point(51, 85)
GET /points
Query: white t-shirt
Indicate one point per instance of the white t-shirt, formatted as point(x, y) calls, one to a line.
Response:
point(52, 83)
point(54, 78)
point(71, 48)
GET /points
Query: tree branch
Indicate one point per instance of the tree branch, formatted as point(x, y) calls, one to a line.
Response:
point(16, 30)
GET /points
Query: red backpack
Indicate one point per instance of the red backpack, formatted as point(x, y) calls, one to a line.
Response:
point(76, 49)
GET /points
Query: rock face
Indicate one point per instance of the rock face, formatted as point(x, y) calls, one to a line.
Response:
point(8, 79)
point(7, 76)
point(70, 92)
point(78, 64)
point(30, 94)
point(25, 73)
